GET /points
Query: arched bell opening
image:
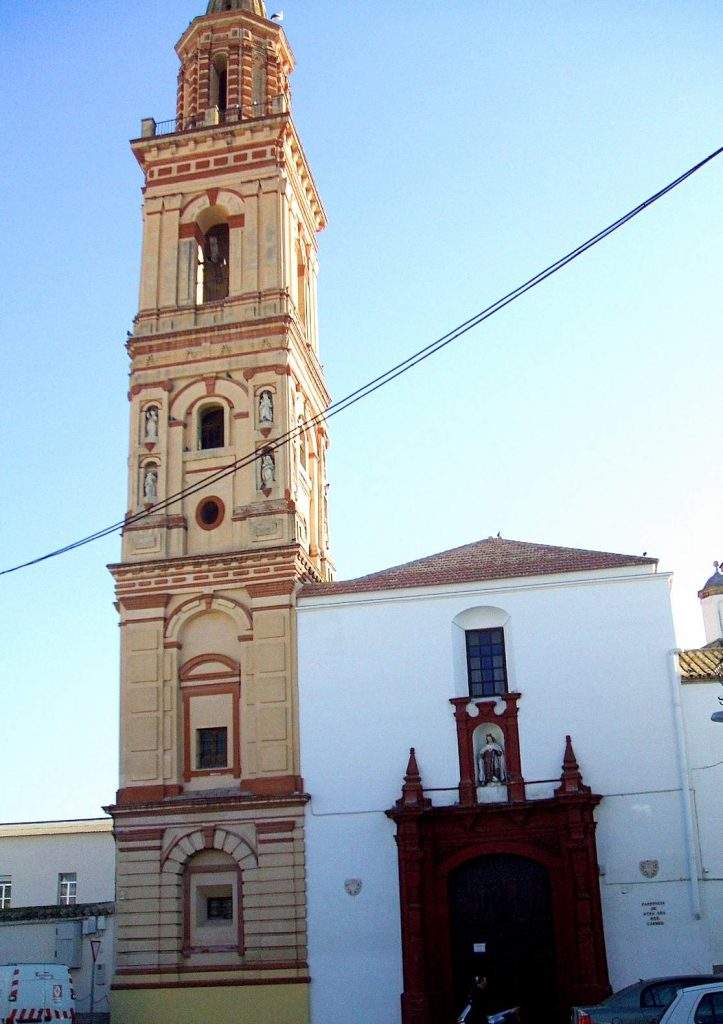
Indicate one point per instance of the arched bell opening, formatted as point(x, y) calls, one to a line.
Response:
point(219, 82)
point(213, 265)
point(211, 427)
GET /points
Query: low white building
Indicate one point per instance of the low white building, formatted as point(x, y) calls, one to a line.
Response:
point(546, 833)
point(57, 901)
point(701, 673)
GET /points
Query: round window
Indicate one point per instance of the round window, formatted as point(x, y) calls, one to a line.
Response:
point(209, 513)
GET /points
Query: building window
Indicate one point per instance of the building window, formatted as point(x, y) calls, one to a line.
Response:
point(67, 889)
point(210, 427)
point(213, 255)
point(710, 1009)
point(219, 78)
point(211, 748)
point(6, 886)
point(212, 904)
point(209, 513)
point(219, 908)
point(486, 667)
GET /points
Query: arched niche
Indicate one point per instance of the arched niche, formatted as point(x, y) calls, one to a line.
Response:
point(209, 630)
point(489, 753)
point(235, 621)
point(477, 617)
point(210, 247)
point(202, 872)
point(211, 426)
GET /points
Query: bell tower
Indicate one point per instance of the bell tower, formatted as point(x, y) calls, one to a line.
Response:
point(209, 816)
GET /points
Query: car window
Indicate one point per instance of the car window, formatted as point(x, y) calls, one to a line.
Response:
point(661, 994)
point(710, 1009)
point(627, 998)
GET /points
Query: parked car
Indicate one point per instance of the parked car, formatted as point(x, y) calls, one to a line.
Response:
point(702, 1004)
point(642, 1003)
point(35, 992)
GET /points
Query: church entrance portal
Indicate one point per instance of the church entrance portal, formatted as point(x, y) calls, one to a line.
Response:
point(520, 877)
point(500, 912)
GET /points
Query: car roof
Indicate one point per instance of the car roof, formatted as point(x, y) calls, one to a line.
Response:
point(710, 986)
point(704, 978)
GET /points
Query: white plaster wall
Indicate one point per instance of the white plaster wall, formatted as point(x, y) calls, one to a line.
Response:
point(638, 949)
point(590, 656)
point(712, 608)
point(705, 757)
point(353, 940)
point(34, 862)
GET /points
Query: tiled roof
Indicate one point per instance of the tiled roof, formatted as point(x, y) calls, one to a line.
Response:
point(491, 559)
point(702, 663)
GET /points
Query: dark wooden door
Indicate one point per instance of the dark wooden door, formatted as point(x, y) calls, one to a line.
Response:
point(504, 902)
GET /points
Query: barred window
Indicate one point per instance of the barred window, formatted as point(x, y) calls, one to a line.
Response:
point(219, 908)
point(6, 885)
point(211, 748)
point(486, 666)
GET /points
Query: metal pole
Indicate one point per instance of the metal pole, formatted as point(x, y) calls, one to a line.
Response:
point(92, 991)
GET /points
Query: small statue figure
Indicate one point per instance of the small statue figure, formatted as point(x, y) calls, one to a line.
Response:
point(150, 484)
point(151, 424)
point(268, 470)
point(266, 408)
point(326, 515)
point(491, 763)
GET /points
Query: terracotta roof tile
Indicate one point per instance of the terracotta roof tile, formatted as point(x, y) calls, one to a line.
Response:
point(702, 663)
point(491, 559)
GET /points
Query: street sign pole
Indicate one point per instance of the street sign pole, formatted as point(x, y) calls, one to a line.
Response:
point(95, 949)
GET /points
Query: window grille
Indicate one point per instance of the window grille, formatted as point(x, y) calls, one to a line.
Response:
point(6, 886)
point(486, 665)
point(211, 748)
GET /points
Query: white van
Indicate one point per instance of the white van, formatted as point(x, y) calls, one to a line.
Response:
point(35, 992)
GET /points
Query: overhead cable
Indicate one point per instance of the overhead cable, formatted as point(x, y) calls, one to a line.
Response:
point(378, 382)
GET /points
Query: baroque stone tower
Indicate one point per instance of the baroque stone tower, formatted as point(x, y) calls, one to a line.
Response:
point(224, 362)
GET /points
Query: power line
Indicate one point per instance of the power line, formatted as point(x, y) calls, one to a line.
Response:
point(378, 382)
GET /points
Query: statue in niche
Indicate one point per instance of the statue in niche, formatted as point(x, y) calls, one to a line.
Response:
point(266, 409)
point(151, 429)
point(491, 763)
point(150, 483)
point(326, 514)
point(268, 470)
point(302, 443)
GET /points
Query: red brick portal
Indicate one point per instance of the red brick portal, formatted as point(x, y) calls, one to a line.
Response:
point(558, 833)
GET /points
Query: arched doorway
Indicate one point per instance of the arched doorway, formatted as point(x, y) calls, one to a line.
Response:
point(501, 925)
point(524, 871)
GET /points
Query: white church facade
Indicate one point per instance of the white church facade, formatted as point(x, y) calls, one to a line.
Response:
point(552, 829)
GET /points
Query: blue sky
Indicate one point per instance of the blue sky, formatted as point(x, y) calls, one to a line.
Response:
point(458, 147)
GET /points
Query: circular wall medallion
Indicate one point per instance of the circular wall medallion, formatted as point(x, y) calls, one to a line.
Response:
point(209, 513)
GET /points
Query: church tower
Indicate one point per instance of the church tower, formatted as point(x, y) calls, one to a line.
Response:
point(209, 822)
